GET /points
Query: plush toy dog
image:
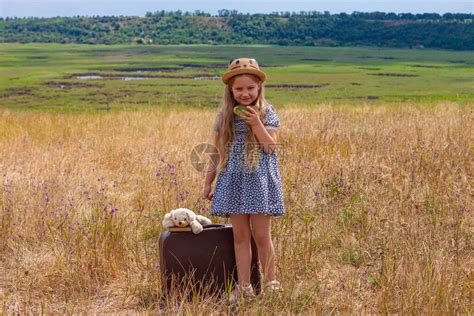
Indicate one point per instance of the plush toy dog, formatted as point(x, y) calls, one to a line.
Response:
point(183, 217)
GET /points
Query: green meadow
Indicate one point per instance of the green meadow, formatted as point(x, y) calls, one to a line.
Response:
point(55, 77)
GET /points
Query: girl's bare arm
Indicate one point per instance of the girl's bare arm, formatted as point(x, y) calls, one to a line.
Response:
point(266, 138)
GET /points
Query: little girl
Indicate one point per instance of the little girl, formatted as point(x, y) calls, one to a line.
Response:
point(248, 187)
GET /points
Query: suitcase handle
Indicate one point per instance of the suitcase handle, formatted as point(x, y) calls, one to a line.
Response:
point(216, 226)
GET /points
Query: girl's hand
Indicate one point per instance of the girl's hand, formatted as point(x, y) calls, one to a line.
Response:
point(206, 192)
point(251, 117)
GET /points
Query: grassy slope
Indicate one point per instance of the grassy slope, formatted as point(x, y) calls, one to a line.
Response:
point(347, 75)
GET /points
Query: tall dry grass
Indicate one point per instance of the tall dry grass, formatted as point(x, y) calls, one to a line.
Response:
point(379, 209)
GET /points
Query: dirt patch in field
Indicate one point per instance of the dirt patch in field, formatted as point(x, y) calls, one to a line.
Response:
point(191, 97)
point(296, 86)
point(15, 92)
point(140, 70)
point(36, 57)
point(272, 66)
point(172, 69)
point(108, 76)
point(92, 51)
point(209, 66)
point(369, 97)
point(356, 84)
point(109, 94)
point(158, 92)
point(393, 74)
point(424, 66)
point(172, 85)
point(135, 102)
point(96, 101)
point(369, 68)
point(71, 85)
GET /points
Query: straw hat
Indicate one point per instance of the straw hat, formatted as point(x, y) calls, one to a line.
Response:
point(241, 66)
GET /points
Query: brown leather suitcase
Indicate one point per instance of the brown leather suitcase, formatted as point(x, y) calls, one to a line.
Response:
point(203, 263)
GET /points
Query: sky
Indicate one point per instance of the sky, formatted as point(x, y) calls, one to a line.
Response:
point(51, 8)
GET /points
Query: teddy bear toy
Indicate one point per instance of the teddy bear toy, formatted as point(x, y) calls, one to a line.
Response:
point(183, 217)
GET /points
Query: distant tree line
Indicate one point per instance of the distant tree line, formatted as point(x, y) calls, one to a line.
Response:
point(312, 28)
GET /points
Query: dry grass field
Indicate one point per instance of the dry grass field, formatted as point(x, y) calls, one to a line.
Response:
point(379, 210)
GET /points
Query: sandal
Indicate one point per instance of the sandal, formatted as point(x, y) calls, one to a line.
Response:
point(241, 292)
point(273, 286)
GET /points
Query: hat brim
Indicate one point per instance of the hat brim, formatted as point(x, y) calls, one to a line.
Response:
point(260, 74)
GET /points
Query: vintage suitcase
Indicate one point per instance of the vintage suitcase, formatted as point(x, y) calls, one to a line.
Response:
point(203, 263)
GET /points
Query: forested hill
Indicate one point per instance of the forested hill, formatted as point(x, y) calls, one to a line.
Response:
point(429, 30)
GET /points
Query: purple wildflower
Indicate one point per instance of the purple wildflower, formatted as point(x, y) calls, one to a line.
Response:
point(462, 209)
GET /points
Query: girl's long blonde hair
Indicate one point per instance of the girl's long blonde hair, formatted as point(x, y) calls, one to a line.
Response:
point(225, 129)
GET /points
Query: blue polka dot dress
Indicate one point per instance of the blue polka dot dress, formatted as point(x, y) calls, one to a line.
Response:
point(239, 190)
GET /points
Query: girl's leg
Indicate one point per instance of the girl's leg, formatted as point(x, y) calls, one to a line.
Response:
point(261, 232)
point(243, 251)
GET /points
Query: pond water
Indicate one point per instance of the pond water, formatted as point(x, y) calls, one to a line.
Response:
point(132, 78)
point(100, 77)
point(207, 78)
point(89, 77)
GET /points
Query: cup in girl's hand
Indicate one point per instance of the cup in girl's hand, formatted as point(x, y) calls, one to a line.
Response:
point(240, 110)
